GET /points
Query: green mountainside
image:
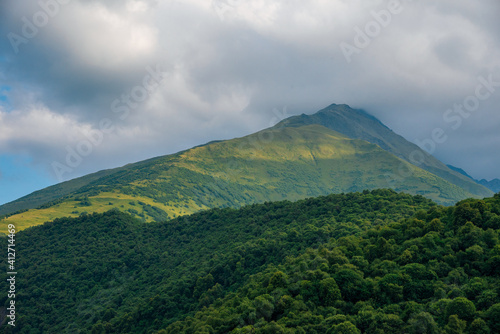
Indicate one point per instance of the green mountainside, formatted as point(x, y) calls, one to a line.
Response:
point(52, 193)
point(274, 164)
point(370, 262)
point(359, 125)
point(460, 170)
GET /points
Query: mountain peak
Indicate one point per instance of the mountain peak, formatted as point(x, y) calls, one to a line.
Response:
point(334, 112)
point(354, 123)
point(358, 124)
point(344, 109)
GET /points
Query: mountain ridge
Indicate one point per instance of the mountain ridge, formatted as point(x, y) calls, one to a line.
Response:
point(367, 127)
point(493, 185)
point(278, 163)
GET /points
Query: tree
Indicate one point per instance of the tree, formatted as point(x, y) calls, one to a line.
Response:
point(346, 327)
point(329, 291)
point(463, 213)
point(422, 323)
point(271, 328)
point(493, 316)
point(390, 289)
point(479, 326)
point(462, 307)
point(455, 325)
point(279, 280)
point(203, 284)
point(264, 306)
point(352, 285)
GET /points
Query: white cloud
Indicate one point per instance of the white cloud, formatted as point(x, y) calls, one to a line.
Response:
point(95, 36)
point(37, 125)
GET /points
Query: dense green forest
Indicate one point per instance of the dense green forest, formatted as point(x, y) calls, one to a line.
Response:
point(370, 262)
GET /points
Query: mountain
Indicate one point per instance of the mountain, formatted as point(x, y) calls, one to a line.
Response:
point(358, 124)
point(376, 262)
point(493, 185)
point(460, 170)
point(50, 194)
point(288, 161)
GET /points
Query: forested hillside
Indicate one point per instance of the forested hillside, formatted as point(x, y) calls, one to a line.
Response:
point(436, 272)
point(370, 262)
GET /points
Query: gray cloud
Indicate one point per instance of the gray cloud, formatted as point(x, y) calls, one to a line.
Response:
point(229, 65)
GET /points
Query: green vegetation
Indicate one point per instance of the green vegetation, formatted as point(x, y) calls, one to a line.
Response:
point(50, 195)
point(370, 262)
point(287, 163)
point(357, 124)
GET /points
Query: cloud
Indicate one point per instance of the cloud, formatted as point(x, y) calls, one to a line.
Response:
point(230, 64)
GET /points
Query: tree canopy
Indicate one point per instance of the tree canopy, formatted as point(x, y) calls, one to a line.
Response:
point(370, 262)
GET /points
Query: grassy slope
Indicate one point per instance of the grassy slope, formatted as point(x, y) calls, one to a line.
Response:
point(274, 164)
point(360, 125)
point(51, 193)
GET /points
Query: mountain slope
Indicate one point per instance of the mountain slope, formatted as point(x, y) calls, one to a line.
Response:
point(52, 193)
point(493, 185)
point(274, 164)
point(461, 171)
point(360, 125)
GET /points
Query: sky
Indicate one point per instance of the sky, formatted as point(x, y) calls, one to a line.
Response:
point(87, 85)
